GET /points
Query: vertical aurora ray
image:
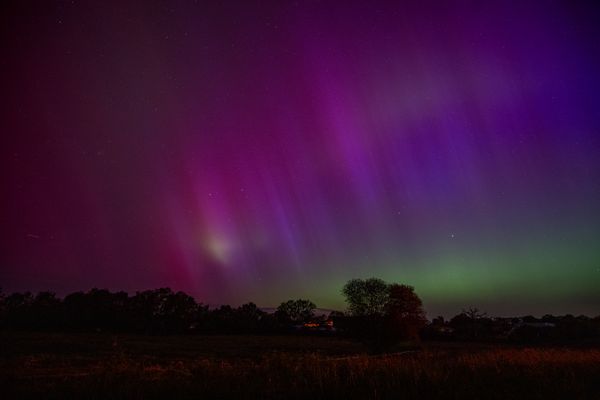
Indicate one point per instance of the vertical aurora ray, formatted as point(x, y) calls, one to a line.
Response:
point(247, 153)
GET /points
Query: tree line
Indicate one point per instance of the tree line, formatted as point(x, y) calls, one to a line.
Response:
point(158, 311)
point(379, 314)
point(374, 306)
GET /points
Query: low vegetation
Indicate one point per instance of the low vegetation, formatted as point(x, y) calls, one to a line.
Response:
point(292, 367)
point(162, 344)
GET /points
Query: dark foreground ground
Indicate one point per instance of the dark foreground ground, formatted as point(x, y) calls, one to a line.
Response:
point(101, 366)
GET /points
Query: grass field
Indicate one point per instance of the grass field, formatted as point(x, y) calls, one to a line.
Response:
point(91, 366)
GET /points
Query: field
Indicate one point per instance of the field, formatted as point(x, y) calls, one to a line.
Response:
point(93, 366)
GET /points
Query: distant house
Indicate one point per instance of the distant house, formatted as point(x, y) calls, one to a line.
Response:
point(318, 325)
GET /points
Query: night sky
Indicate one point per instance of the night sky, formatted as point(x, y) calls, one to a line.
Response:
point(262, 151)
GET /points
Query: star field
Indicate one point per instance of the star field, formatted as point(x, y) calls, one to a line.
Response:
point(261, 151)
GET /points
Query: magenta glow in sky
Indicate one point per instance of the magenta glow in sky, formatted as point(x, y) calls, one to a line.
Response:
point(261, 151)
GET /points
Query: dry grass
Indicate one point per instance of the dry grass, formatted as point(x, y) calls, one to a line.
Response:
point(287, 367)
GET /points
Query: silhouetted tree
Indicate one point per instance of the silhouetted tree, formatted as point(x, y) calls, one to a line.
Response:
point(2, 309)
point(382, 314)
point(78, 311)
point(176, 312)
point(45, 311)
point(201, 319)
point(438, 329)
point(248, 317)
point(18, 310)
point(296, 311)
point(472, 324)
point(549, 318)
point(404, 312)
point(162, 311)
point(529, 319)
point(474, 313)
point(98, 309)
point(222, 320)
point(366, 297)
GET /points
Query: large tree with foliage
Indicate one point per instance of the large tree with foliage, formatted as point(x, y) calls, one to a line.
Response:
point(366, 297)
point(296, 311)
point(404, 311)
point(382, 313)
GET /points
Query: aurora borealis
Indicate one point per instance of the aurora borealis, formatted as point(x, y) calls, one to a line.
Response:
point(262, 151)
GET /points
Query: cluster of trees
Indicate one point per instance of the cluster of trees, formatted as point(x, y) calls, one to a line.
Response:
point(159, 311)
point(474, 325)
point(381, 314)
